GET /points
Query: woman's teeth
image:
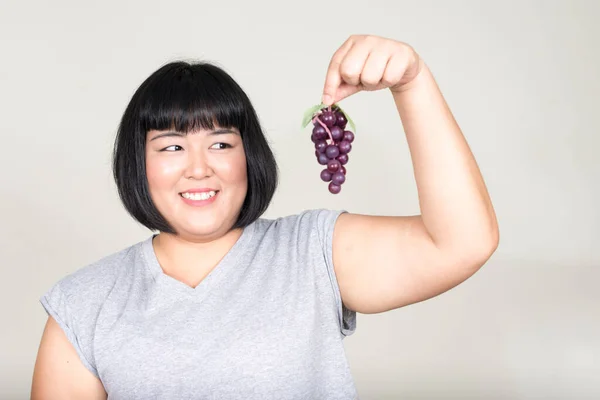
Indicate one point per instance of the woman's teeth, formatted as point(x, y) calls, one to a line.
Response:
point(199, 196)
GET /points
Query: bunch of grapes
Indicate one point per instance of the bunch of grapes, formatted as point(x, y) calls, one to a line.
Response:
point(333, 143)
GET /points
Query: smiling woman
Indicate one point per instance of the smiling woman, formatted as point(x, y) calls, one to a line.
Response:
point(223, 303)
point(220, 302)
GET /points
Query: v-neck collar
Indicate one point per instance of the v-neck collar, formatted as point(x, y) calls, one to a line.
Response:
point(216, 275)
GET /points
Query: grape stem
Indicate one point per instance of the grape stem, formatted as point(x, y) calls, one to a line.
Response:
point(316, 118)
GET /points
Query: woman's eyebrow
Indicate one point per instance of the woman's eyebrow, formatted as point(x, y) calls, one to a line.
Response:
point(180, 134)
point(167, 134)
point(223, 131)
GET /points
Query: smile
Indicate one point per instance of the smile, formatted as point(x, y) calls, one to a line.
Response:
point(198, 196)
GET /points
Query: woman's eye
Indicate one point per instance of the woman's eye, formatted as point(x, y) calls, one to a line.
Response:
point(220, 146)
point(173, 148)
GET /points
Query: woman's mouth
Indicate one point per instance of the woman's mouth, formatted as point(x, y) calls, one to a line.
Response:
point(199, 198)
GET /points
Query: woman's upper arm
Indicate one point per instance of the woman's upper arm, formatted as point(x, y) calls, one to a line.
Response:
point(59, 373)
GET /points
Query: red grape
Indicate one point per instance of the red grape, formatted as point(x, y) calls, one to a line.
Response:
point(345, 147)
point(338, 178)
point(341, 119)
point(320, 146)
point(319, 132)
point(322, 158)
point(349, 136)
point(337, 133)
point(328, 118)
point(332, 151)
point(333, 188)
point(333, 165)
point(326, 175)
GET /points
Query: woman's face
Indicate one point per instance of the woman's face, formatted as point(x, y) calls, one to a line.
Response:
point(197, 181)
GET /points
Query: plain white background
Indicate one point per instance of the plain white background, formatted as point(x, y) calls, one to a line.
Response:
point(520, 76)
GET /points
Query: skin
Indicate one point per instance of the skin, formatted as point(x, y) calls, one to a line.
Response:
point(381, 262)
point(203, 159)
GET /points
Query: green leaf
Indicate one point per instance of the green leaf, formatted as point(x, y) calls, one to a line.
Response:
point(309, 114)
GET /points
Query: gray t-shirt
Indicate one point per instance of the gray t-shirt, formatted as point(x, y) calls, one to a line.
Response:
point(266, 323)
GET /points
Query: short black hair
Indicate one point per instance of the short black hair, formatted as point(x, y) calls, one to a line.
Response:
point(184, 96)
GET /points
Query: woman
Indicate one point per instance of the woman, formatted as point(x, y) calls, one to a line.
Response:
point(224, 304)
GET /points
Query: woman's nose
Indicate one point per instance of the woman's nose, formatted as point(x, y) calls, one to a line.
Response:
point(197, 167)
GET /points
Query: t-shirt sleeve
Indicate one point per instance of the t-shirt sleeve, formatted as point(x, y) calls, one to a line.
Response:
point(326, 220)
point(64, 309)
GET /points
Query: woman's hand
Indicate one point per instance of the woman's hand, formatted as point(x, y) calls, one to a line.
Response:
point(367, 62)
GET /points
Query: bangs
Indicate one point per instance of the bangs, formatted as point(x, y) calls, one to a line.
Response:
point(184, 98)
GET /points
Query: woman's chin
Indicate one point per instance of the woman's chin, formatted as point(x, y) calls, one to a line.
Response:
point(200, 230)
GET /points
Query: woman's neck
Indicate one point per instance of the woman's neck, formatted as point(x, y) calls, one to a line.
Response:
point(190, 262)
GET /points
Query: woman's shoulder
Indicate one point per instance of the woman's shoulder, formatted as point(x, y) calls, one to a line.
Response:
point(76, 300)
point(99, 276)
